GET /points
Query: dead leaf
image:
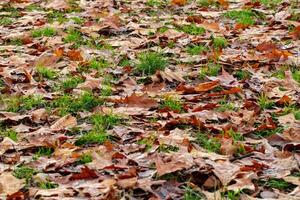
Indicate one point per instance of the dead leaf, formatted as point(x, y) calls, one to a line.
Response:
point(10, 184)
point(142, 101)
point(179, 2)
point(75, 55)
point(204, 87)
point(67, 121)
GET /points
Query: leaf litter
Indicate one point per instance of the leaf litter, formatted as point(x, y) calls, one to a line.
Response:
point(149, 99)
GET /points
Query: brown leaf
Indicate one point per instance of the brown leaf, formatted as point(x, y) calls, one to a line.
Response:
point(139, 101)
point(127, 183)
point(194, 19)
point(74, 55)
point(179, 2)
point(266, 46)
point(67, 121)
point(204, 87)
point(10, 184)
point(296, 33)
point(58, 5)
point(172, 163)
point(86, 173)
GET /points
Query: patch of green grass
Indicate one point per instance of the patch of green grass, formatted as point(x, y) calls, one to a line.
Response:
point(192, 29)
point(196, 49)
point(148, 141)
point(219, 42)
point(163, 29)
point(44, 151)
point(172, 103)
point(106, 90)
point(24, 172)
point(16, 104)
point(225, 105)
point(268, 132)
point(78, 20)
point(105, 121)
point(74, 36)
point(167, 148)
point(244, 17)
point(191, 194)
point(5, 21)
point(232, 195)
point(236, 136)
point(150, 62)
point(296, 75)
point(69, 104)
point(46, 72)
point(269, 3)
point(92, 137)
point(85, 158)
point(10, 133)
point(15, 41)
point(242, 74)
point(43, 32)
point(125, 62)
point(279, 184)
point(47, 185)
point(264, 102)
point(71, 82)
point(98, 64)
point(209, 143)
point(211, 69)
point(153, 3)
point(56, 16)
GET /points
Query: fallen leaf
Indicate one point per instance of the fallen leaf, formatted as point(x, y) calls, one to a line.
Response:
point(10, 184)
point(67, 121)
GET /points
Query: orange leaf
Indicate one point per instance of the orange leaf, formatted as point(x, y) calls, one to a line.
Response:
point(179, 2)
point(223, 3)
point(74, 55)
point(284, 100)
point(59, 52)
point(266, 46)
point(296, 33)
point(203, 87)
point(86, 173)
point(194, 19)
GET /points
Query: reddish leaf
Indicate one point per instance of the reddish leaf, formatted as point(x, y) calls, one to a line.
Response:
point(194, 19)
point(139, 101)
point(179, 2)
point(204, 87)
point(285, 100)
point(74, 55)
point(86, 173)
point(296, 33)
point(266, 46)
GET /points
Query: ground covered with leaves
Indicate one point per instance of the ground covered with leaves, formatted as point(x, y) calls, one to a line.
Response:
point(149, 99)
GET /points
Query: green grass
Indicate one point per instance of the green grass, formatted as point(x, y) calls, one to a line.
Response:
point(279, 184)
point(70, 104)
point(43, 32)
point(172, 103)
point(269, 3)
point(225, 105)
point(46, 72)
point(196, 49)
point(154, 3)
point(85, 158)
point(191, 194)
point(10, 133)
point(296, 75)
point(242, 74)
point(167, 148)
point(16, 104)
point(106, 90)
point(47, 185)
point(192, 29)
point(209, 143)
point(92, 137)
point(5, 21)
point(44, 151)
point(148, 141)
point(78, 20)
point(268, 132)
point(236, 136)
point(24, 172)
point(231, 195)
point(125, 62)
point(150, 62)
point(98, 64)
point(15, 41)
point(211, 69)
point(219, 42)
point(71, 83)
point(244, 17)
point(106, 121)
point(74, 36)
point(56, 16)
point(264, 102)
